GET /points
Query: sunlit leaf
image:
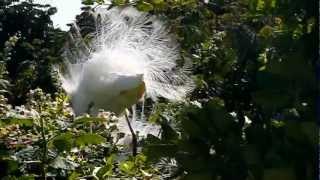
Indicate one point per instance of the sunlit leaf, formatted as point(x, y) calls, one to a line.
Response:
point(19, 121)
point(144, 6)
point(119, 2)
point(89, 139)
point(127, 167)
point(88, 120)
point(107, 169)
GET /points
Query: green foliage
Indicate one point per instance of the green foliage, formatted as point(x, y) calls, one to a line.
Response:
point(29, 45)
point(46, 125)
point(254, 64)
point(17, 121)
point(131, 167)
point(87, 120)
point(88, 138)
point(107, 169)
point(63, 142)
point(251, 116)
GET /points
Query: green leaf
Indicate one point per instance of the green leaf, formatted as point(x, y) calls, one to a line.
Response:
point(89, 139)
point(140, 159)
point(74, 176)
point(260, 5)
point(107, 169)
point(9, 166)
point(27, 122)
point(157, 2)
point(277, 124)
point(100, 1)
point(127, 167)
point(88, 2)
point(88, 120)
point(63, 142)
point(144, 6)
point(119, 2)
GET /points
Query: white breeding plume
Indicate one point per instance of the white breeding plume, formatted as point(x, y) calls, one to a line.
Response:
point(131, 55)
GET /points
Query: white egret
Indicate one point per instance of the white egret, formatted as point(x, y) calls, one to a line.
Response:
point(132, 54)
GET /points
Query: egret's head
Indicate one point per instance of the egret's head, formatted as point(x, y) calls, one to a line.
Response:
point(107, 90)
point(81, 104)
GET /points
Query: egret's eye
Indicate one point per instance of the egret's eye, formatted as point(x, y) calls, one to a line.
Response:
point(126, 18)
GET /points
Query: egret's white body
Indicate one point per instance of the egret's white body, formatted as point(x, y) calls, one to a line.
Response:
point(131, 55)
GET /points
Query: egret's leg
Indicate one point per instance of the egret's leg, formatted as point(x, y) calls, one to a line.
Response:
point(91, 104)
point(134, 112)
point(142, 108)
point(134, 137)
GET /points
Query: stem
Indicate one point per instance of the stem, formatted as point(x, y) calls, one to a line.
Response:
point(134, 137)
point(44, 146)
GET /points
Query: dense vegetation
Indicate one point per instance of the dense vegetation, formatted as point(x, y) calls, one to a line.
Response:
point(252, 115)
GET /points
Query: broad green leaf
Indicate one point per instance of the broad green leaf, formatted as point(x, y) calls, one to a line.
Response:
point(107, 169)
point(140, 159)
point(89, 139)
point(9, 166)
point(88, 120)
point(260, 5)
point(63, 142)
point(157, 2)
point(28, 122)
point(74, 176)
point(127, 167)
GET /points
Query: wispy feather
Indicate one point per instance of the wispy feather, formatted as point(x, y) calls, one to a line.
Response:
point(130, 52)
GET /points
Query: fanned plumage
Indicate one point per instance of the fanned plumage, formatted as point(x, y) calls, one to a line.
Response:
point(130, 52)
